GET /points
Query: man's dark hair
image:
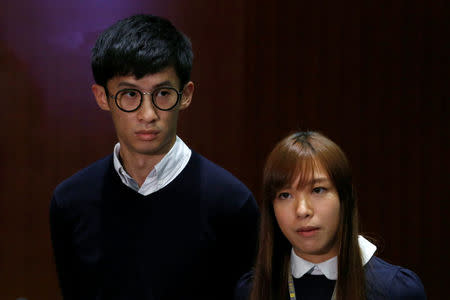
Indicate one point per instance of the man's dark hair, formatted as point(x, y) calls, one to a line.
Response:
point(140, 45)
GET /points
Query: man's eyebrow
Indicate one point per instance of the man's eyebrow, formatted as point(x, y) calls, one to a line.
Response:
point(126, 84)
point(132, 85)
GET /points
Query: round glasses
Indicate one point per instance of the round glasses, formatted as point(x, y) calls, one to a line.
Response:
point(163, 98)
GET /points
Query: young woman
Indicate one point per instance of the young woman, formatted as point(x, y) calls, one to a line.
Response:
point(309, 246)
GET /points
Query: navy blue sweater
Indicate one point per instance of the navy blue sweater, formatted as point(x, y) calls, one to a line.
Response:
point(189, 240)
point(383, 282)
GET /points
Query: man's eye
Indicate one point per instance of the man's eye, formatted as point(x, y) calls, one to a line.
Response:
point(131, 94)
point(284, 195)
point(319, 190)
point(164, 93)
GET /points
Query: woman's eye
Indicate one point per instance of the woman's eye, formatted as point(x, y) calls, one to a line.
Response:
point(284, 195)
point(319, 190)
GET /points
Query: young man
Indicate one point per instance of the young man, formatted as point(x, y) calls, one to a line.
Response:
point(154, 220)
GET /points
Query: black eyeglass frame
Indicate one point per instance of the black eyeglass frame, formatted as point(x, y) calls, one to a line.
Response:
point(179, 95)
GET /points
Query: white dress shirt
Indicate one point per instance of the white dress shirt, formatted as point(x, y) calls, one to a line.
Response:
point(300, 266)
point(162, 174)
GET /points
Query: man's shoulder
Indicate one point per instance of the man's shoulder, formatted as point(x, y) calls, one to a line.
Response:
point(221, 189)
point(216, 175)
point(85, 180)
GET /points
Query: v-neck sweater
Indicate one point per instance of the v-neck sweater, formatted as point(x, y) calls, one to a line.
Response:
point(190, 240)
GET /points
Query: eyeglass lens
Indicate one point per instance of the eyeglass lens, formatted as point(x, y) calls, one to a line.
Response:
point(163, 98)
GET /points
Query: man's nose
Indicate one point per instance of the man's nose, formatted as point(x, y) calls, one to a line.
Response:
point(147, 112)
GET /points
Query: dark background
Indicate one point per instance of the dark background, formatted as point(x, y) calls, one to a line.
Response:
point(372, 75)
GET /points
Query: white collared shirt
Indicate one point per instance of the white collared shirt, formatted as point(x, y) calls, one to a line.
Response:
point(162, 174)
point(300, 266)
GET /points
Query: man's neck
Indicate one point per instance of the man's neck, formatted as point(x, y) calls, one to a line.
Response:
point(139, 166)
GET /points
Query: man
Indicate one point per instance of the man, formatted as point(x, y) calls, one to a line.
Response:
point(154, 220)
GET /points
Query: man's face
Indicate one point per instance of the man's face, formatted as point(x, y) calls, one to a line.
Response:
point(148, 130)
point(309, 217)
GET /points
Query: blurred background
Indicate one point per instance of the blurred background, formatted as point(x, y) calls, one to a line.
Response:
point(372, 75)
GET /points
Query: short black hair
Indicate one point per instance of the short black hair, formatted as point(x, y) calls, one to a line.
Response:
point(140, 45)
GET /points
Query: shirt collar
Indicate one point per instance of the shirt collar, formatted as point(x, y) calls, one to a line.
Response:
point(164, 171)
point(300, 266)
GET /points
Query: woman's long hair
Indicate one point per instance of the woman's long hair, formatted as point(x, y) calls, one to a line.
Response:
point(299, 154)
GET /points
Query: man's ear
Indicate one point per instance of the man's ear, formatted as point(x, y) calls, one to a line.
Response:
point(100, 96)
point(186, 98)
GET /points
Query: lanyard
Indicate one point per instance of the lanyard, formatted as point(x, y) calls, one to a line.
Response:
point(292, 289)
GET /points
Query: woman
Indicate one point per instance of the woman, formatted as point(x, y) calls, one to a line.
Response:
point(309, 246)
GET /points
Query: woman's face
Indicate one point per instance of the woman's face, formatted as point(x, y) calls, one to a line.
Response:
point(308, 216)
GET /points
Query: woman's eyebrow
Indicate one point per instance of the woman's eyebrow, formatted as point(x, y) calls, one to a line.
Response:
point(319, 180)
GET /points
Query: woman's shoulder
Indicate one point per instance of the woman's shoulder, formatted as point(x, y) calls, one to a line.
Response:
point(391, 281)
point(244, 286)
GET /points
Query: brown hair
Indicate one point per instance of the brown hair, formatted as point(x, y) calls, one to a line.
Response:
point(298, 155)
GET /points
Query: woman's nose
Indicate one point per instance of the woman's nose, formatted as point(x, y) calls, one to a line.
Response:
point(304, 208)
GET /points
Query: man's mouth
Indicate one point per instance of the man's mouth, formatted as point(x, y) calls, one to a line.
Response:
point(147, 135)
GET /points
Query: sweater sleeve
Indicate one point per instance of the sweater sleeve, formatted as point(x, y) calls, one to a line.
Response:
point(246, 236)
point(238, 241)
point(60, 236)
point(407, 285)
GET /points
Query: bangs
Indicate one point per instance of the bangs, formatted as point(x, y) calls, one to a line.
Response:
point(138, 62)
point(288, 162)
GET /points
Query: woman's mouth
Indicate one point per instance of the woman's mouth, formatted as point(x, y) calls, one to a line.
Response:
point(308, 231)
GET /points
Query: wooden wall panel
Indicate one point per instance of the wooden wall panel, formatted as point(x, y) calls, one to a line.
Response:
point(371, 75)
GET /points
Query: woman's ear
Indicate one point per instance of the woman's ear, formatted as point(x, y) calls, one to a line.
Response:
point(100, 96)
point(186, 98)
